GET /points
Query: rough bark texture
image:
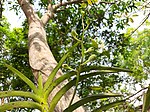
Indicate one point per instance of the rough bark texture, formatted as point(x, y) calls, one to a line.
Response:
point(40, 56)
point(41, 59)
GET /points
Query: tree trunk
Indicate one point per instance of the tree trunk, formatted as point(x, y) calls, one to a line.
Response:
point(41, 59)
point(40, 56)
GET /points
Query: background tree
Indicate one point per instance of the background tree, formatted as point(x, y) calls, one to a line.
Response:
point(104, 21)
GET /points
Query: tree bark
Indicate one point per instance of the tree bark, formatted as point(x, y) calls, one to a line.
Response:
point(40, 56)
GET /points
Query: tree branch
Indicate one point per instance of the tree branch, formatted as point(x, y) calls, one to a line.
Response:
point(28, 10)
point(142, 22)
point(52, 8)
point(136, 93)
point(68, 3)
point(48, 15)
point(76, 2)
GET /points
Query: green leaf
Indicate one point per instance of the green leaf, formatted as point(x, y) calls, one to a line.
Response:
point(105, 69)
point(94, 43)
point(53, 73)
point(63, 90)
point(20, 104)
point(131, 20)
point(19, 93)
point(23, 77)
point(58, 81)
point(89, 2)
point(135, 15)
point(92, 57)
point(108, 106)
point(67, 67)
point(40, 85)
point(96, 88)
point(83, 5)
point(146, 100)
point(101, 70)
point(74, 35)
point(89, 50)
point(94, 1)
point(89, 99)
point(59, 94)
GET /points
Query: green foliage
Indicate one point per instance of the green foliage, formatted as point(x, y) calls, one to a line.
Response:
point(101, 24)
point(43, 102)
point(40, 93)
point(136, 54)
point(20, 104)
point(23, 77)
point(13, 50)
point(90, 98)
point(108, 106)
point(51, 77)
point(91, 1)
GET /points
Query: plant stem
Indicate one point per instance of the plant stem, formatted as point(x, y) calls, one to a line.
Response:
point(82, 60)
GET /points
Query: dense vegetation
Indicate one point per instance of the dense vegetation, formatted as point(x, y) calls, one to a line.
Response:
point(100, 26)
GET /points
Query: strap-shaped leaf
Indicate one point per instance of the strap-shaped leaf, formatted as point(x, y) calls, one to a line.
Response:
point(114, 69)
point(20, 104)
point(95, 88)
point(101, 70)
point(108, 106)
point(40, 85)
point(19, 93)
point(89, 99)
point(146, 100)
point(23, 77)
point(63, 90)
point(57, 82)
point(53, 73)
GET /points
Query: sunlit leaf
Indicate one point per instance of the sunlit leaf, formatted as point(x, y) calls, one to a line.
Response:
point(89, 2)
point(19, 93)
point(53, 73)
point(94, 43)
point(89, 99)
point(131, 20)
point(94, 1)
point(135, 15)
point(20, 104)
point(74, 33)
point(23, 77)
point(108, 106)
point(63, 90)
point(83, 5)
point(103, 68)
point(92, 57)
point(89, 50)
point(96, 88)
